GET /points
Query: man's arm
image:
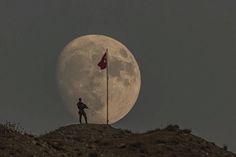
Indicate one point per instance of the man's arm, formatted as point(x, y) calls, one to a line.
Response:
point(77, 105)
point(85, 106)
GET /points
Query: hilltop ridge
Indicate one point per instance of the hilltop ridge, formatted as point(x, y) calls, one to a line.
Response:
point(95, 140)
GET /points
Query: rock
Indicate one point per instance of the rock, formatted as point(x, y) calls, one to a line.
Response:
point(121, 145)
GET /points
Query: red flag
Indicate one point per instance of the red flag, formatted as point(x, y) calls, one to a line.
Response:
point(103, 63)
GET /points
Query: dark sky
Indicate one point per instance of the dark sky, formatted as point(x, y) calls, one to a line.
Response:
point(186, 51)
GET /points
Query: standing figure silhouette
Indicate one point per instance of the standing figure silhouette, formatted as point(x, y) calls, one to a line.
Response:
point(81, 106)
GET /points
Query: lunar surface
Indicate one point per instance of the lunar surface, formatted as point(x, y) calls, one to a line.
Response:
point(79, 76)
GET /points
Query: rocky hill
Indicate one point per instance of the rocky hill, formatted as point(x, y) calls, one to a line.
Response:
point(105, 141)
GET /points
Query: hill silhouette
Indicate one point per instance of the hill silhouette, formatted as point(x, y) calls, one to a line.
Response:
point(94, 140)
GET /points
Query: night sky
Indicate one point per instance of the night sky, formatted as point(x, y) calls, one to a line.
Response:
point(186, 51)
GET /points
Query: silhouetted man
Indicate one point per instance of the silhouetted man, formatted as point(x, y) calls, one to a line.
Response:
point(81, 106)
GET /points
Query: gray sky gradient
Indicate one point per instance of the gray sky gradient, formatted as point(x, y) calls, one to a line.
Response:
point(186, 51)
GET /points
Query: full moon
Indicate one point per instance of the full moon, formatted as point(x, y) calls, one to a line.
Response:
point(79, 75)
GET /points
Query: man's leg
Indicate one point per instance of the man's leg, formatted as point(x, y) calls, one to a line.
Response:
point(80, 118)
point(85, 117)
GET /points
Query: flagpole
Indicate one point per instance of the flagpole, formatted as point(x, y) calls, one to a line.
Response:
point(107, 88)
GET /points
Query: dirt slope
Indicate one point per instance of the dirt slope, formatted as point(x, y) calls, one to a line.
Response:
point(102, 140)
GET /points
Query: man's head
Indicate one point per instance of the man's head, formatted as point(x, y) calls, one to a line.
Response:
point(80, 99)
